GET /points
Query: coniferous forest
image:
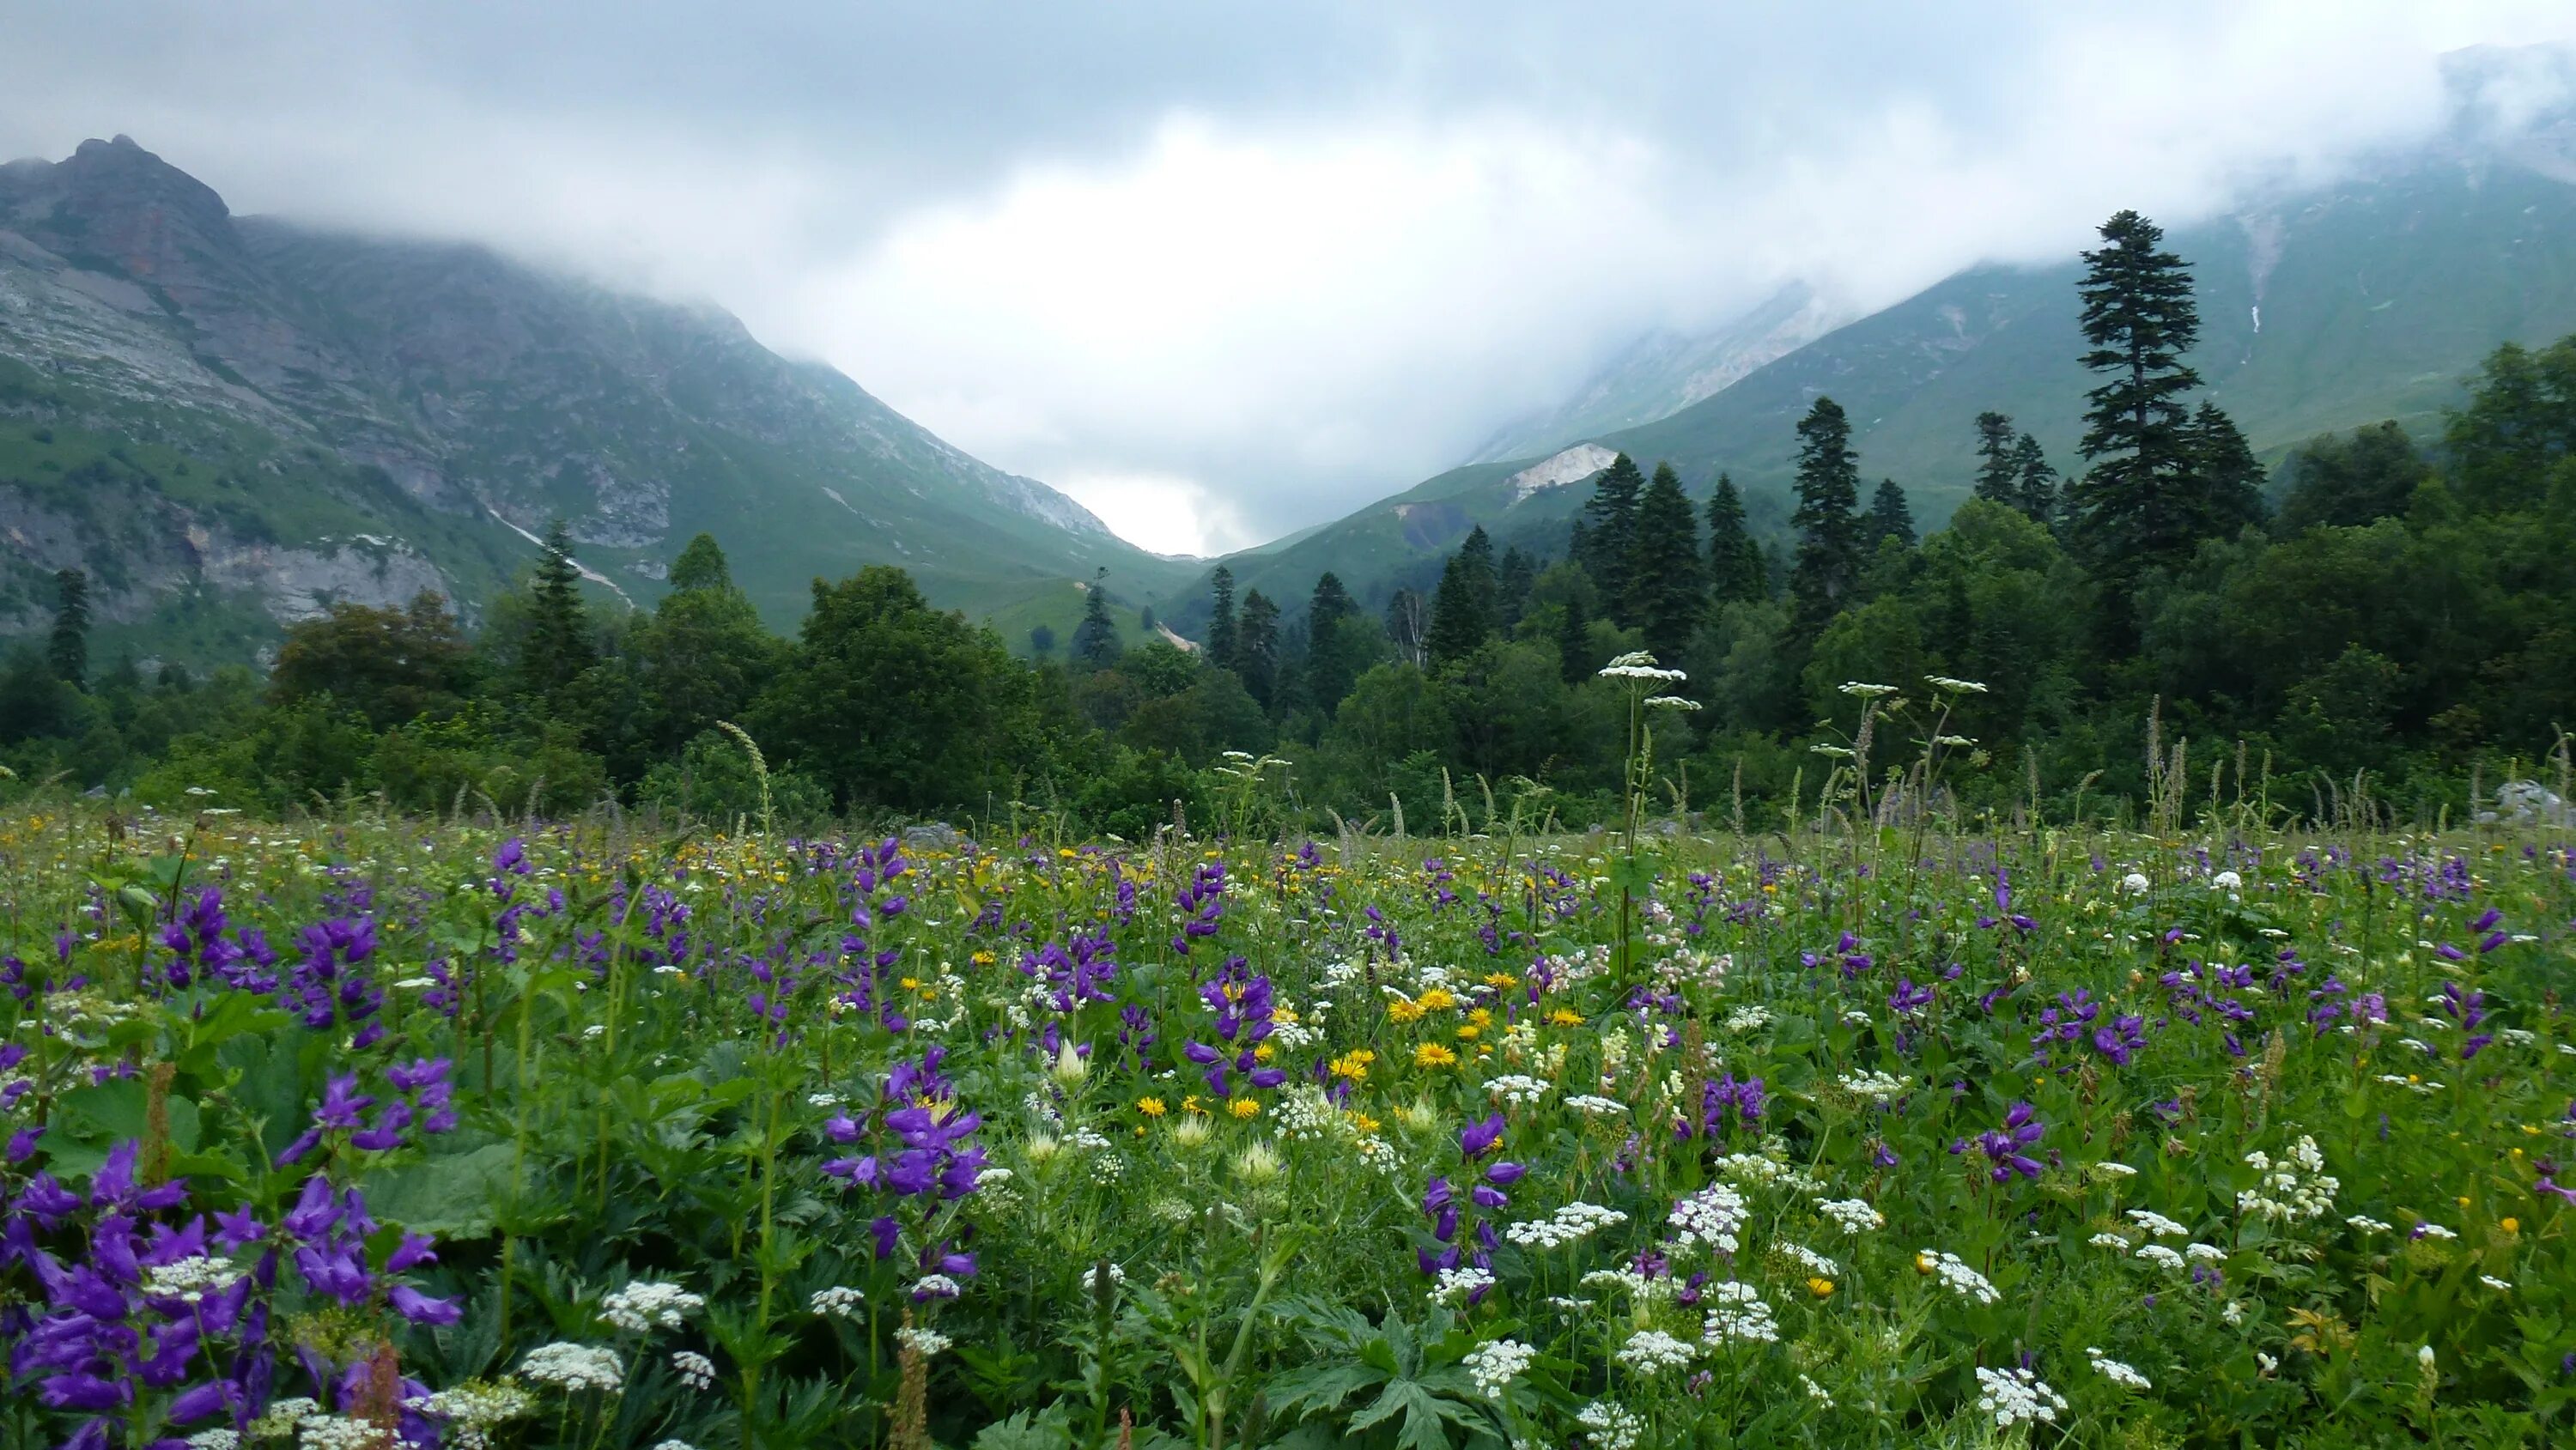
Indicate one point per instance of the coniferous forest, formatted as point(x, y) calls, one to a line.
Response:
point(2376, 618)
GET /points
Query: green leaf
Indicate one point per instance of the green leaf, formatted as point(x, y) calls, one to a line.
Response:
point(450, 1198)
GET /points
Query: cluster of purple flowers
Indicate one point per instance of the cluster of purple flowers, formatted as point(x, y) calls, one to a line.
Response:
point(1720, 1098)
point(2003, 1146)
point(1202, 905)
point(929, 1155)
point(2077, 1018)
point(1079, 971)
point(1441, 1203)
point(421, 1097)
point(199, 951)
point(143, 1310)
point(1241, 1000)
point(329, 986)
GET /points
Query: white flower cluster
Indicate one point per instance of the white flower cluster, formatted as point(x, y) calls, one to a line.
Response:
point(1851, 1215)
point(1761, 1169)
point(694, 1369)
point(1611, 1427)
point(936, 1286)
point(1651, 1351)
point(1455, 1285)
point(1091, 1279)
point(840, 1301)
point(1748, 1019)
point(1637, 1285)
point(573, 1367)
point(468, 1413)
point(2135, 883)
point(281, 1417)
point(1493, 1365)
point(993, 1191)
point(1878, 1087)
point(191, 1279)
point(1738, 1316)
point(1307, 1116)
point(2162, 1257)
point(1517, 1090)
point(1639, 665)
point(1570, 1224)
point(2016, 1397)
point(644, 1306)
point(1808, 1259)
point(1816, 1392)
point(1961, 1280)
point(336, 1432)
point(219, 1438)
point(2116, 1372)
point(1597, 1106)
point(925, 1342)
point(1711, 1216)
point(2157, 1224)
point(2367, 1224)
point(2298, 1187)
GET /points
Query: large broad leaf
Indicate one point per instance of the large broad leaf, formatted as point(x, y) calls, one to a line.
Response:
point(108, 1113)
point(1046, 1430)
point(449, 1198)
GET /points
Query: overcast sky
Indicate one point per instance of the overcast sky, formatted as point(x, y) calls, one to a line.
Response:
point(1222, 271)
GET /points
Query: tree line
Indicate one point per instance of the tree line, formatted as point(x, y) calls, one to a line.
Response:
point(2373, 606)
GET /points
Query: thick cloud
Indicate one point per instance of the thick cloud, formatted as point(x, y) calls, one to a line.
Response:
point(1224, 271)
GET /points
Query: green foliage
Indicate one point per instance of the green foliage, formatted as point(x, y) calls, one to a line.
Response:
point(1828, 518)
point(2349, 481)
point(1667, 580)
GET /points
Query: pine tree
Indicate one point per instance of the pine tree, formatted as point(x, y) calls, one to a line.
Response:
point(2133, 508)
point(1574, 639)
point(1609, 536)
point(1095, 640)
point(1735, 569)
point(1338, 643)
point(1258, 648)
point(2226, 478)
point(1667, 583)
point(1512, 582)
point(1462, 610)
point(67, 649)
point(2036, 490)
point(1330, 602)
point(1223, 640)
point(558, 645)
point(1478, 550)
point(1827, 519)
point(1998, 477)
point(1890, 516)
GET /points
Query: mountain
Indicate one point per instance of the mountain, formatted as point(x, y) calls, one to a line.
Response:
point(233, 421)
point(1664, 372)
point(2322, 310)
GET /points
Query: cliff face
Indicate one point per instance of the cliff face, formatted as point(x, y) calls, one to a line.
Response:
point(200, 407)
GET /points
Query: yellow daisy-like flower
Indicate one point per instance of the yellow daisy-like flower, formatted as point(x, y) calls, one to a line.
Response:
point(1190, 1104)
point(1403, 1010)
point(1467, 1033)
point(2510, 1225)
point(1243, 1108)
point(1438, 999)
point(1264, 1053)
point(1822, 1288)
point(1501, 981)
point(1432, 1054)
point(1565, 1017)
point(1151, 1107)
point(1482, 1017)
point(1353, 1065)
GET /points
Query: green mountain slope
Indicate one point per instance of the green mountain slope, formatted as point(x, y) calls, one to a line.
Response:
point(2376, 299)
point(305, 417)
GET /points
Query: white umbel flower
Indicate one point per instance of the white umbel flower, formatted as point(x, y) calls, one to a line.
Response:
point(574, 1367)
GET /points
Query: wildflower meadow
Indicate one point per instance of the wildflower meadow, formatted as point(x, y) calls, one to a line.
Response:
point(1872, 1127)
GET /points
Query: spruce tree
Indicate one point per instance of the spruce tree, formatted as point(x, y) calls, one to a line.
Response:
point(1574, 639)
point(1512, 581)
point(1735, 571)
point(1667, 584)
point(1329, 602)
point(1609, 536)
point(2226, 490)
point(1223, 641)
point(1827, 519)
point(2035, 491)
point(2133, 509)
point(1890, 516)
point(1998, 467)
point(1095, 640)
point(1462, 609)
point(558, 645)
point(1258, 647)
point(67, 648)
point(1478, 550)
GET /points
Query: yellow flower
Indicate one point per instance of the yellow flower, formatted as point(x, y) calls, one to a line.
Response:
point(1432, 1054)
point(1438, 999)
point(1501, 981)
point(1243, 1107)
point(1466, 1034)
point(1264, 1053)
point(1361, 1121)
point(2510, 1225)
point(1190, 1104)
point(1150, 1107)
point(1923, 1263)
point(1821, 1288)
point(1482, 1017)
point(1353, 1065)
point(1565, 1017)
point(1404, 1010)
point(2464, 1200)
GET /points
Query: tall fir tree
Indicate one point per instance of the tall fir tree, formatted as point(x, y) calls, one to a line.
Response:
point(2035, 483)
point(1095, 640)
point(1478, 550)
point(1258, 648)
point(1462, 609)
point(1827, 520)
point(1223, 640)
point(1512, 581)
point(1667, 582)
point(558, 645)
point(1574, 639)
point(1998, 468)
point(67, 648)
point(1330, 602)
point(1609, 536)
point(2134, 509)
point(2226, 478)
point(1735, 571)
point(1890, 516)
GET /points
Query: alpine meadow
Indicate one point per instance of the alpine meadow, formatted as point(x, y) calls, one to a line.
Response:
point(1987, 863)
